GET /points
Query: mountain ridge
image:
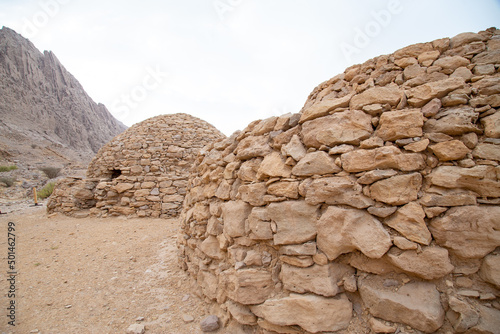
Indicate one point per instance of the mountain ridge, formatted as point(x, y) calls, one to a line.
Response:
point(44, 110)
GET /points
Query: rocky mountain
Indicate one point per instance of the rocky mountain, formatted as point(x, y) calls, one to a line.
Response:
point(44, 111)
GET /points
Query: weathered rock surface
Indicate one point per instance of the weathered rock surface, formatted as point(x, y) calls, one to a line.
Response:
point(409, 221)
point(490, 269)
point(248, 286)
point(400, 124)
point(430, 264)
point(344, 230)
point(468, 231)
point(381, 158)
point(43, 105)
point(347, 127)
point(397, 190)
point(318, 314)
point(295, 220)
point(414, 304)
point(334, 190)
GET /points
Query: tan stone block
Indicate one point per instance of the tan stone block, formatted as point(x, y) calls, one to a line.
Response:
point(397, 190)
point(312, 313)
point(409, 221)
point(450, 150)
point(342, 231)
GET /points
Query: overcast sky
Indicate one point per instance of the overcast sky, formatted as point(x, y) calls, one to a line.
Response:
point(228, 62)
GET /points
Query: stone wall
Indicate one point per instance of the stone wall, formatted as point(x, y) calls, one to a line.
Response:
point(374, 209)
point(142, 172)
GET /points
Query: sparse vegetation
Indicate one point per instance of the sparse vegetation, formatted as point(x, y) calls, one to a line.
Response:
point(51, 172)
point(8, 181)
point(46, 191)
point(7, 168)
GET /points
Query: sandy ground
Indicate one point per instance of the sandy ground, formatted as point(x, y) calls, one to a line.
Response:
point(95, 276)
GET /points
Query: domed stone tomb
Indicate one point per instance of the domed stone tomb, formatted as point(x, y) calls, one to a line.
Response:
point(141, 172)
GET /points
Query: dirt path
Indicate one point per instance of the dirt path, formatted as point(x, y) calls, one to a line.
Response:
point(95, 276)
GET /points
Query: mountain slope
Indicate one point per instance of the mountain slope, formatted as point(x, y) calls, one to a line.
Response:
point(44, 111)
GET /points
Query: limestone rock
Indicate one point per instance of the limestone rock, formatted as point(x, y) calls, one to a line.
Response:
point(234, 214)
point(450, 150)
point(259, 224)
point(468, 231)
point(492, 125)
point(430, 264)
point(379, 266)
point(490, 269)
point(334, 190)
point(122, 187)
point(323, 107)
point(294, 148)
point(461, 315)
point(397, 190)
point(487, 151)
point(210, 246)
point(248, 170)
point(431, 108)
point(321, 280)
point(400, 124)
point(453, 122)
point(464, 38)
point(253, 146)
point(241, 313)
point(382, 212)
point(312, 313)
point(308, 248)
point(379, 327)
point(489, 320)
point(210, 324)
point(297, 261)
point(272, 328)
point(419, 96)
point(418, 146)
point(273, 165)
point(136, 329)
point(409, 221)
point(451, 63)
point(315, 163)
point(253, 193)
point(295, 220)
point(376, 175)
point(415, 304)
point(404, 244)
point(480, 179)
point(249, 286)
point(344, 230)
point(382, 95)
point(381, 158)
point(347, 127)
point(265, 126)
point(289, 189)
point(443, 197)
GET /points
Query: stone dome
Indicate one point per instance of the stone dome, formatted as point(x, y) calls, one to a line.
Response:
point(141, 172)
point(165, 144)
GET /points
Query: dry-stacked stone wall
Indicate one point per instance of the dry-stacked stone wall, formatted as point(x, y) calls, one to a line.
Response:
point(374, 209)
point(142, 172)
